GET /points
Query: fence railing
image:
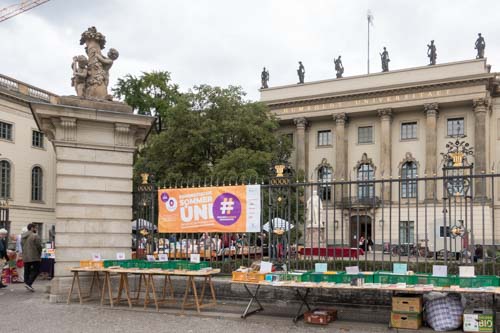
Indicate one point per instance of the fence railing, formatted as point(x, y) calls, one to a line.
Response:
point(420, 221)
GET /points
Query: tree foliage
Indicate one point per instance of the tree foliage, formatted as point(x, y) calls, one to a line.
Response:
point(208, 133)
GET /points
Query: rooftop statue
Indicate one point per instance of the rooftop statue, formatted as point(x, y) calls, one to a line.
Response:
point(301, 72)
point(339, 67)
point(91, 72)
point(431, 53)
point(264, 78)
point(384, 57)
point(480, 46)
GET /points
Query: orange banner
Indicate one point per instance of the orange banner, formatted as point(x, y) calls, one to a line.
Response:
point(209, 209)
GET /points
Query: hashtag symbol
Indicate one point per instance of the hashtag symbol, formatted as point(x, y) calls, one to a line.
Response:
point(226, 206)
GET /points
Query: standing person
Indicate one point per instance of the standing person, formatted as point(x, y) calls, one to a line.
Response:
point(19, 255)
point(3, 252)
point(32, 251)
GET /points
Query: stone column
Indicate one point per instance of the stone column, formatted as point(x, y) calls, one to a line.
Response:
point(301, 124)
point(385, 149)
point(431, 113)
point(94, 144)
point(340, 172)
point(480, 111)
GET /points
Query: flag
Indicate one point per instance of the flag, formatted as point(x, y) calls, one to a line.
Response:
point(369, 17)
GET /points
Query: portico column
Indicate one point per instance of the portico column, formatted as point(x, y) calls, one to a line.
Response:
point(385, 148)
point(431, 113)
point(340, 172)
point(301, 124)
point(480, 107)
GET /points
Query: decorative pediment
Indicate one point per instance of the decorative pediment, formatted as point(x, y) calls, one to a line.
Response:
point(364, 160)
point(408, 158)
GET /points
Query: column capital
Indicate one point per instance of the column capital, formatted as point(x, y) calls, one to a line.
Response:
point(480, 104)
point(385, 114)
point(431, 109)
point(300, 122)
point(340, 118)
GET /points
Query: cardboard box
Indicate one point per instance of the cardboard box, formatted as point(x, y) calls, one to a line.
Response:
point(411, 321)
point(479, 320)
point(408, 304)
point(320, 316)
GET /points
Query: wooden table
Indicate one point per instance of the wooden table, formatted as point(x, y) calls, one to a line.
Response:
point(302, 290)
point(146, 278)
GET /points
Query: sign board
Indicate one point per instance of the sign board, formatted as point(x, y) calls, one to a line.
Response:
point(466, 271)
point(96, 257)
point(320, 267)
point(163, 257)
point(440, 270)
point(352, 270)
point(120, 256)
point(401, 269)
point(266, 267)
point(209, 209)
point(195, 257)
point(150, 257)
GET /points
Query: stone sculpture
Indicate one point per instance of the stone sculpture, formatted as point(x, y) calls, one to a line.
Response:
point(339, 68)
point(264, 78)
point(480, 46)
point(384, 57)
point(91, 73)
point(301, 72)
point(431, 53)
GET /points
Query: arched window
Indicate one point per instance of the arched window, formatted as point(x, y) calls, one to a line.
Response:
point(325, 176)
point(365, 190)
point(4, 179)
point(409, 180)
point(36, 184)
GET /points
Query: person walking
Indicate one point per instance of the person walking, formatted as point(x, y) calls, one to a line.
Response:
point(32, 252)
point(3, 252)
point(19, 256)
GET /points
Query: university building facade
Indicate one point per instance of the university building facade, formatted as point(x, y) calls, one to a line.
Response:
point(394, 126)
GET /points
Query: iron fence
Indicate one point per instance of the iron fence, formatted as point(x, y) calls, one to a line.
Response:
point(420, 221)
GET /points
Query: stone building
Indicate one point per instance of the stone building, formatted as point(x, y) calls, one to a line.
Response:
point(395, 124)
point(27, 159)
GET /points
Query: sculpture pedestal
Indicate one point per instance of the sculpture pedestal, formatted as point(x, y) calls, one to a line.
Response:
point(315, 236)
point(94, 160)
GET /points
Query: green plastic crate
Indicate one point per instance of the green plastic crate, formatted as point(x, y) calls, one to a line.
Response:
point(301, 277)
point(442, 281)
point(321, 277)
point(347, 278)
point(390, 278)
point(479, 281)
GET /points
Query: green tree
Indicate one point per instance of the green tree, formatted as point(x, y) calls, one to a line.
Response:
point(207, 133)
point(151, 94)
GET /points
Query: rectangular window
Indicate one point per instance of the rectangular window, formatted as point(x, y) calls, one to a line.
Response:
point(441, 232)
point(365, 134)
point(37, 139)
point(406, 232)
point(5, 131)
point(456, 127)
point(409, 131)
point(324, 138)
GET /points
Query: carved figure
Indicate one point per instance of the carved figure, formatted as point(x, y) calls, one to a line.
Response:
point(431, 53)
point(339, 68)
point(301, 72)
point(313, 208)
point(480, 46)
point(384, 57)
point(98, 66)
point(264, 78)
point(79, 78)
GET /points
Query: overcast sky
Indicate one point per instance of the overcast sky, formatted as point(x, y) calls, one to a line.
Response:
point(227, 42)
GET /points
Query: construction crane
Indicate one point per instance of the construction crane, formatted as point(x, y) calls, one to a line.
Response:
point(16, 9)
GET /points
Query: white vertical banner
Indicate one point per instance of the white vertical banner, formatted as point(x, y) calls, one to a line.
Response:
point(253, 208)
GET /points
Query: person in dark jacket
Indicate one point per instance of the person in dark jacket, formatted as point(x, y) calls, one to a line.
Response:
point(32, 252)
point(3, 252)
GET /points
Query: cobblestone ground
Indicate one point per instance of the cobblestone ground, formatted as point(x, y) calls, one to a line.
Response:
point(23, 311)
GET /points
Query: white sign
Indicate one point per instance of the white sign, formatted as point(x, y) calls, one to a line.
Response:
point(96, 257)
point(163, 257)
point(440, 270)
point(150, 257)
point(352, 270)
point(266, 267)
point(120, 256)
point(320, 267)
point(195, 257)
point(466, 271)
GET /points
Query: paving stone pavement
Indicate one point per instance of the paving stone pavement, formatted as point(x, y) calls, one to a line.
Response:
point(23, 311)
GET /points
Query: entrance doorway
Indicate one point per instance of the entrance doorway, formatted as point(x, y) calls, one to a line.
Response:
point(365, 228)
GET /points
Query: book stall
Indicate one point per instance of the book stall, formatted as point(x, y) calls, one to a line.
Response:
point(411, 293)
